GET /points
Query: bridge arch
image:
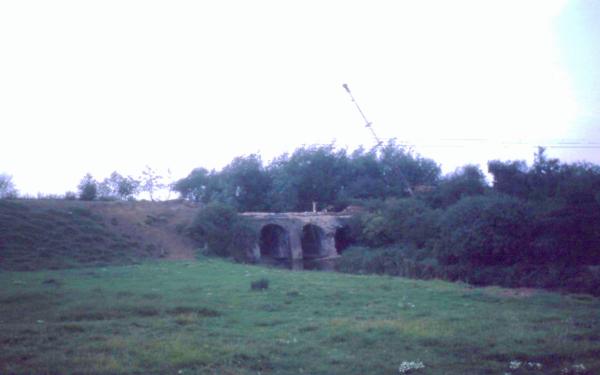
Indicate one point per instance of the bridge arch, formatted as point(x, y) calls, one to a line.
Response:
point(343, 238)
point(274, 242)
point(311, 241)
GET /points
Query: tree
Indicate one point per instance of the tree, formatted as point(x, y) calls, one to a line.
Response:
point(118, 186)
point(510, 177)
point(151, 182)
point(200, 186)
point(7, 187)
point(403, 170)
point(310, 174)
point(88, 188)
point(246, 183)
point(464, 182)
point(364, 179)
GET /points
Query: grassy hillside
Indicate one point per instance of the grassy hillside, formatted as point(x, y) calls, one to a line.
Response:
point(54, 234)
point(203, 318)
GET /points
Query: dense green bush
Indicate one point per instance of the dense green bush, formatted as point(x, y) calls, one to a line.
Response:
point(409, 221)
point(567, 234)
point(223, 232)
point(485, 231)
point(464, 182)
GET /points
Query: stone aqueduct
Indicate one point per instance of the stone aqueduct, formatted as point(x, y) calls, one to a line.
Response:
point(296, 236)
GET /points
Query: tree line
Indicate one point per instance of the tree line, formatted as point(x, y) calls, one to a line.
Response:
point(333, 178)
point(535, 226)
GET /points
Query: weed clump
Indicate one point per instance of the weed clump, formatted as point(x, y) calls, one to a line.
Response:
point(261, 284)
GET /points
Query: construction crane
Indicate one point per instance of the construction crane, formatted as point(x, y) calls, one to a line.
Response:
point(368, 124)
point(378, 144)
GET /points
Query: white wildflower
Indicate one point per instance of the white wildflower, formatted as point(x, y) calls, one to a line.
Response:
point(534, 365)
point(574, 369)
point(406, 366)
point(514, 365)
point(580, 367)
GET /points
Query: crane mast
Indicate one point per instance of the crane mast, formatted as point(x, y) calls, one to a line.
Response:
point(378, 144)
point(368, 124)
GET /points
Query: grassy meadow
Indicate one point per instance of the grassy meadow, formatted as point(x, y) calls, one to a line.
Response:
point(202, 317)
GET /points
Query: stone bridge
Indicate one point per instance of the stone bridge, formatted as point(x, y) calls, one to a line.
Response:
point(295, 236)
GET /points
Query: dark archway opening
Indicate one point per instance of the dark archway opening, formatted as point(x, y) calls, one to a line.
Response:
point(343, 238)
point(274, 242)
point(312, 241)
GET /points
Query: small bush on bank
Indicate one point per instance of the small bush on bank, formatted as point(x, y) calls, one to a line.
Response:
point(223, 232)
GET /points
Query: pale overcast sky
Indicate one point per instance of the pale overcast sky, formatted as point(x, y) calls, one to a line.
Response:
point(97, 86)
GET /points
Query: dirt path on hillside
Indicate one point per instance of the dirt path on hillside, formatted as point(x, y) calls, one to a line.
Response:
point(157, 226)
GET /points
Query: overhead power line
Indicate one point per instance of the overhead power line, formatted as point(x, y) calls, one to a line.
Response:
point(480, 142)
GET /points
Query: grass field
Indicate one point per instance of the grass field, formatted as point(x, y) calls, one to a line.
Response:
point(201, 317)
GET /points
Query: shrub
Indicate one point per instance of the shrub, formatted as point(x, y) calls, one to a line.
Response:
point(568, 234)
point(223, 232)
point(400, 221)
point(88, 188)
point(485, 230)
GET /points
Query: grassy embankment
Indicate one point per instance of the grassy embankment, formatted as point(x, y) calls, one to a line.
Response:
point(203, 318)
point(56, 234)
